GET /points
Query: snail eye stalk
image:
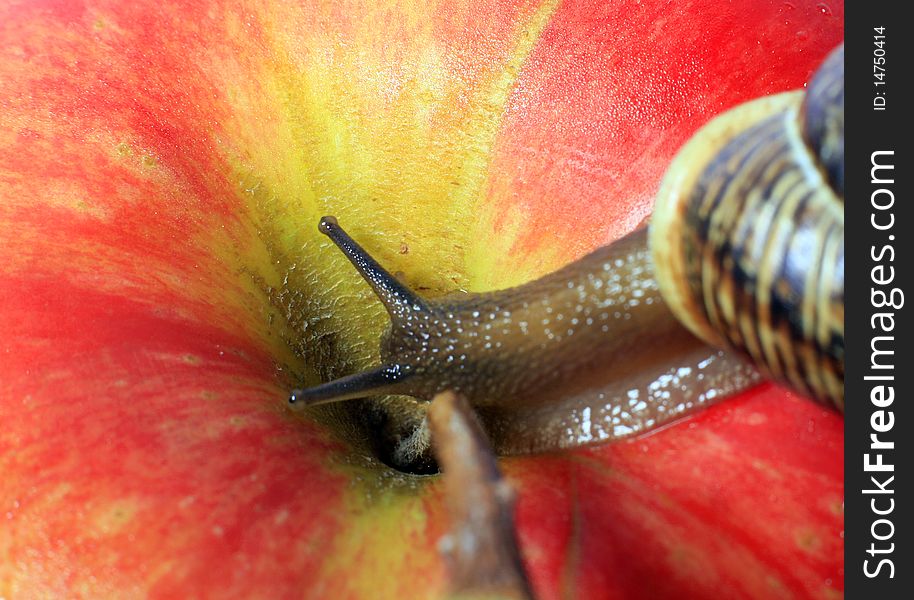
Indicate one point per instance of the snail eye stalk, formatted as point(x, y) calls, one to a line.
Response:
point(401, 304)
point(398, 299)
point(376, 381)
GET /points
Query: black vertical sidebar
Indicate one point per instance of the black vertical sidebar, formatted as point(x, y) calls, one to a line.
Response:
point(879, 379)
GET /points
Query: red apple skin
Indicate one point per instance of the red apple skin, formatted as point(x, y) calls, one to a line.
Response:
point(162, 166)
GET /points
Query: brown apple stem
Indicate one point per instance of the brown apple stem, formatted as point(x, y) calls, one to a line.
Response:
point(481, 548)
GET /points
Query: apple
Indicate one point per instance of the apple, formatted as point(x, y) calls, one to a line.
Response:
point(163, 285)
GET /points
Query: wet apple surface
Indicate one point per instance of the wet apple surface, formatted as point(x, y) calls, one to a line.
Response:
point(163, 286)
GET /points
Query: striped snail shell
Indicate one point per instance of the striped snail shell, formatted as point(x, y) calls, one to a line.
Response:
point(748, 234)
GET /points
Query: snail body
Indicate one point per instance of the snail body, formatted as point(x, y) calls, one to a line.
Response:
point(632, 336)
point(580, 355)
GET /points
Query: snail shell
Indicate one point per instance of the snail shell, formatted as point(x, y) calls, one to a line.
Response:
point(748, 234)
point(746, 250)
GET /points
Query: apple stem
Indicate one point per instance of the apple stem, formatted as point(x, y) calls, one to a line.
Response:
point(481, 548)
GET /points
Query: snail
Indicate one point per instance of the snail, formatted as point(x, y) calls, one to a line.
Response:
point(739, 276)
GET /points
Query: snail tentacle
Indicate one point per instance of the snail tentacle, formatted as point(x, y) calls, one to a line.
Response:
point(400, 301)
point(406, 310)
point(382, 380)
